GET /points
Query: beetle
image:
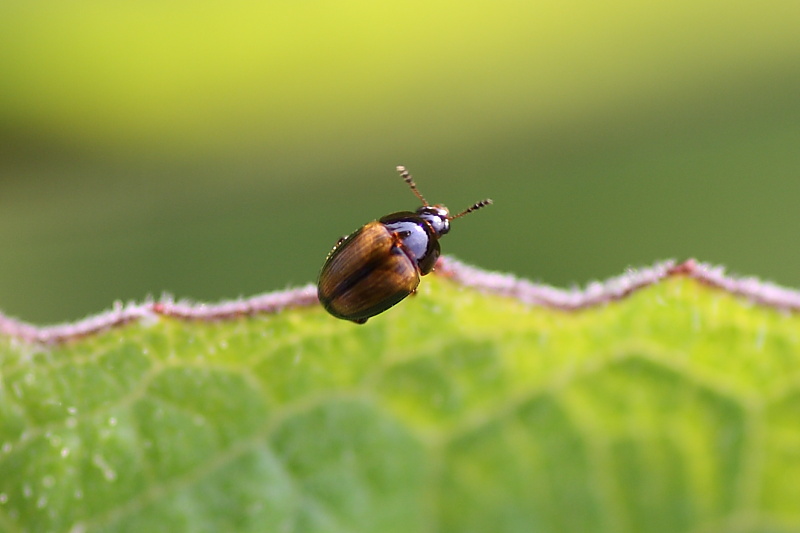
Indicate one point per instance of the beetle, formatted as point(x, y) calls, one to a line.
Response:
point(378, 265)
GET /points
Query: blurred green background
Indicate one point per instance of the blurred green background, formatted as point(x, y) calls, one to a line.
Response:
point(217, 149)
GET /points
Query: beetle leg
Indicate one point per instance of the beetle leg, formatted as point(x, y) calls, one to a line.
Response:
point(338, 243)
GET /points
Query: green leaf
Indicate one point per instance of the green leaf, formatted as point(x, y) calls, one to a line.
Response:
point(676, 408)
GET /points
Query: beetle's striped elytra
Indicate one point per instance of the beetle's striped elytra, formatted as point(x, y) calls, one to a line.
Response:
point(378, 265)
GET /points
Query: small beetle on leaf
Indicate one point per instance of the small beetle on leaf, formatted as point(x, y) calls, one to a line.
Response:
point(374, 268)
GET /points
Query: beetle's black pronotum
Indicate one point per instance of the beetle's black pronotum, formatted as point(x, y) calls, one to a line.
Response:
point(374, 268)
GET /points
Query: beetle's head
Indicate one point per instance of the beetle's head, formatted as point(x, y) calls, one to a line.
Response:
point(437, 216)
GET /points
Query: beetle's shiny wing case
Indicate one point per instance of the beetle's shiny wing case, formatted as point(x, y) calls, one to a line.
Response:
point(366, 274)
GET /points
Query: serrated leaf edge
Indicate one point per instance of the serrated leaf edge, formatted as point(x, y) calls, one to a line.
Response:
point(531, 293)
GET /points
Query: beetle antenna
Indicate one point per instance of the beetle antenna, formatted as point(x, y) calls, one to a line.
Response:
point(410, 181)
point(470, 209)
